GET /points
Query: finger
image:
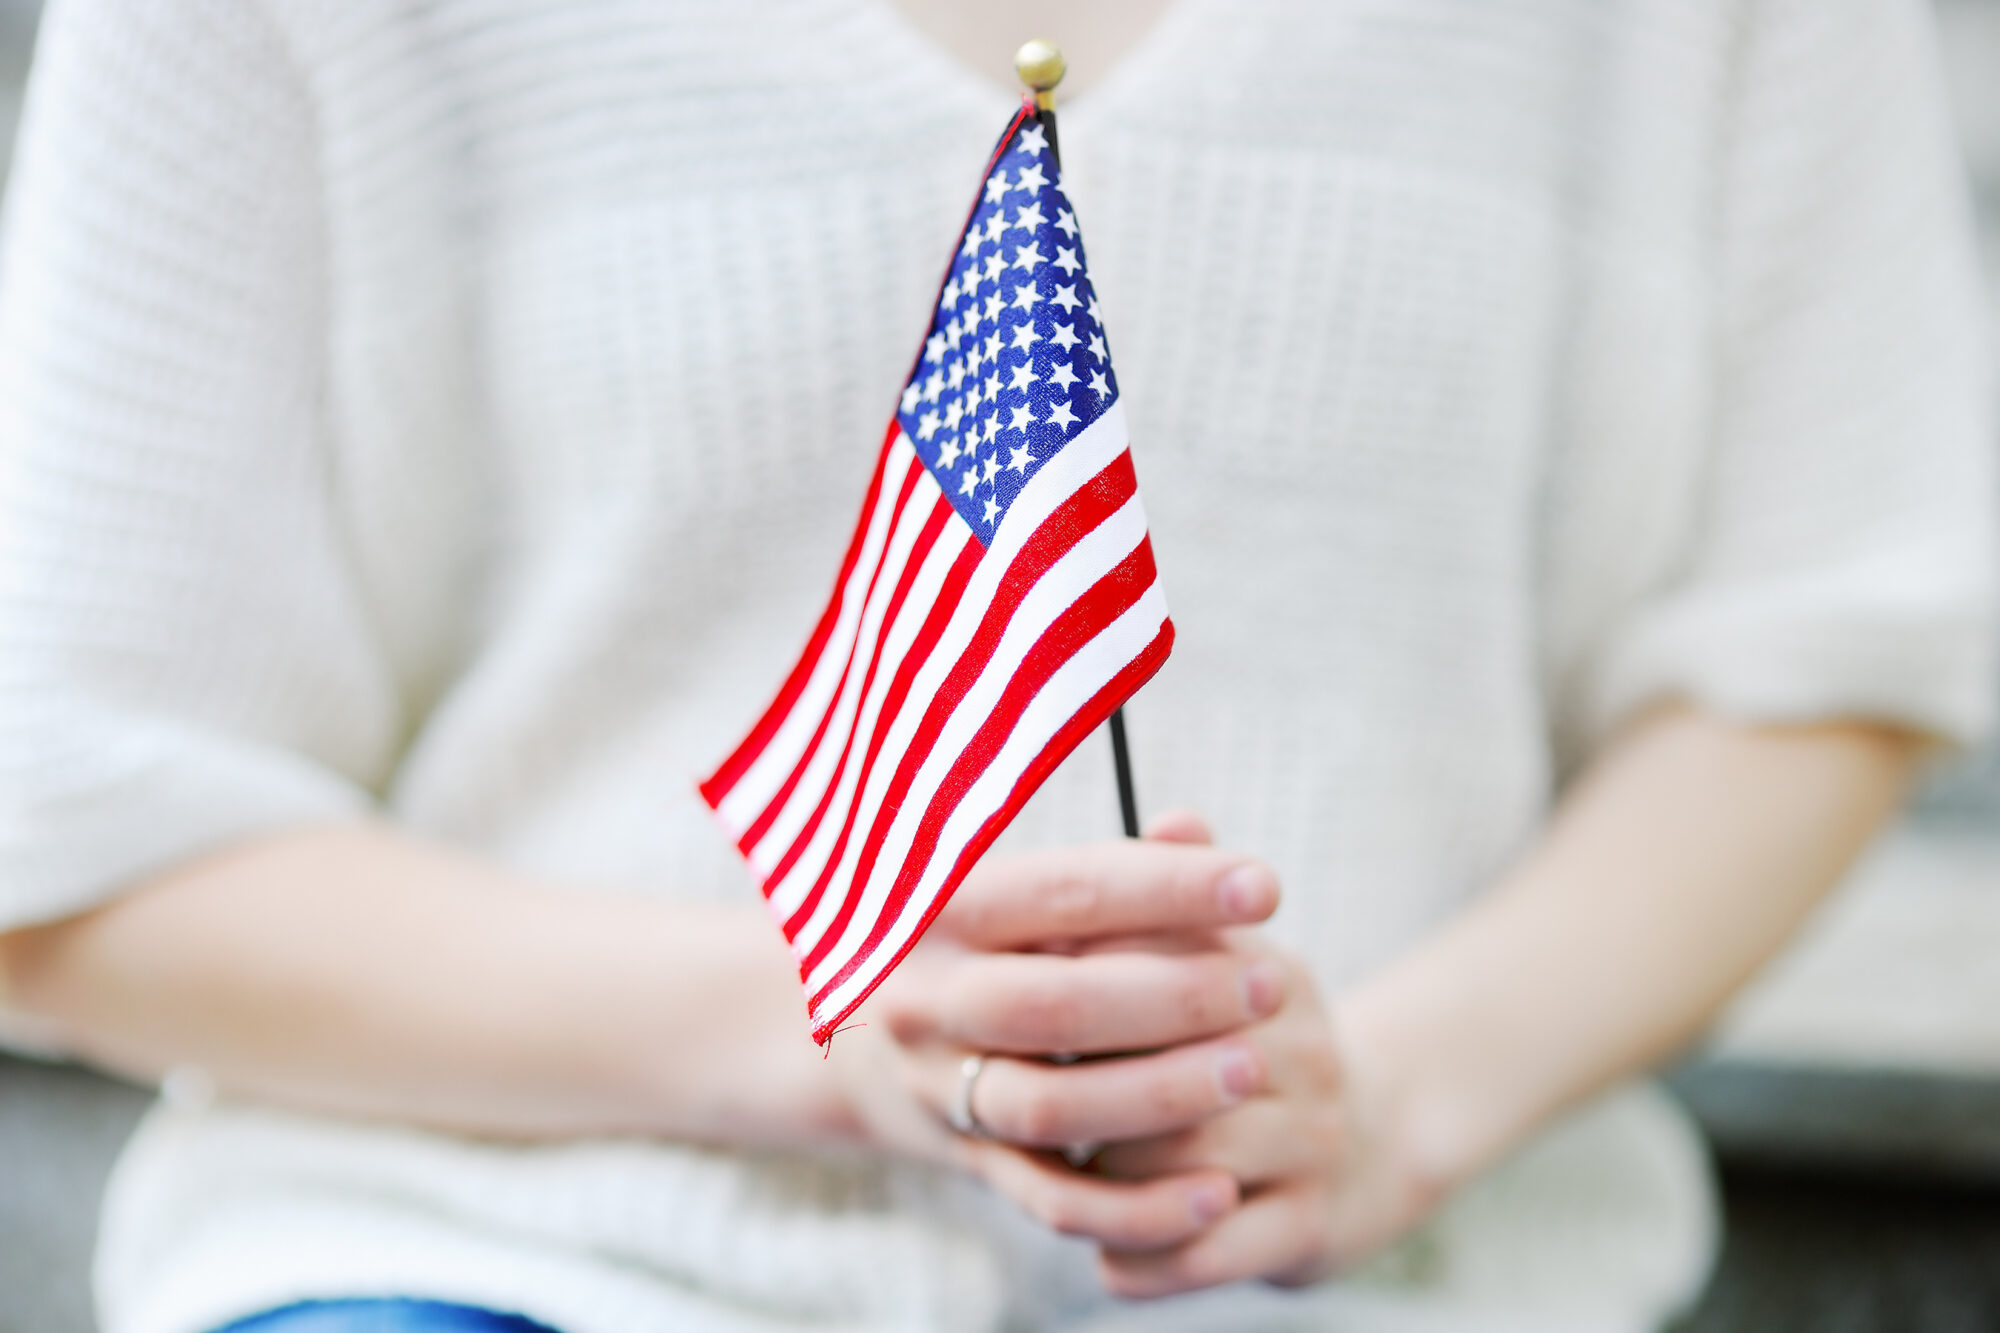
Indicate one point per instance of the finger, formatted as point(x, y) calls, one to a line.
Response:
point(1281, 1232)
point(1125, 888)
point(1051, 1106)
point(1265, 1139)
point(1032, 1004)
point(1180, 826)
point(1127, 1216)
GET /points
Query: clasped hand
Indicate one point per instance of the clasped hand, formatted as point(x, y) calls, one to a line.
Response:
point(1126, 1001)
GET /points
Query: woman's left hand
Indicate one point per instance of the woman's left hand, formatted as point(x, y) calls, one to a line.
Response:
point(1324, 1177)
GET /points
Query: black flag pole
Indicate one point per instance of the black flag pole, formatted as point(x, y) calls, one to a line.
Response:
point(1041, 67)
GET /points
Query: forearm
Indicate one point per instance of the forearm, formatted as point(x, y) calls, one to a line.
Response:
point(359, 972)
point(1679, 864)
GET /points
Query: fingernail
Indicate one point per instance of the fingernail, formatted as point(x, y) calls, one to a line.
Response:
point(1208, 1202)
point(1237, 1069)
point(1249, 891)
point(1263, 987)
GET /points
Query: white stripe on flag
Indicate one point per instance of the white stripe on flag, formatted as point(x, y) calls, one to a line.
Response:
point(788, 893)
point(754, 790)
point(818, 772)
point(1094, 449)
point(1096, 554)
point(1072, 685)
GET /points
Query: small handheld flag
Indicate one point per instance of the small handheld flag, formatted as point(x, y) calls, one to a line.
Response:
point(997, 602)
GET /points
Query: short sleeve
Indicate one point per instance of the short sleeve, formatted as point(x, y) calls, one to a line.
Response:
point(184, 658)
point(1840, 559)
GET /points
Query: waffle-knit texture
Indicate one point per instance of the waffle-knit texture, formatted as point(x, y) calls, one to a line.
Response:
point(431, 408)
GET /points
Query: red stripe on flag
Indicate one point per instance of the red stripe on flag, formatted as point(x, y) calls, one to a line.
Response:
point(1088, 718)
point(1110, 597)
point(1091, 503)
point(738, 763)
point(912, 566)
point(928, 635)
point(760, 825)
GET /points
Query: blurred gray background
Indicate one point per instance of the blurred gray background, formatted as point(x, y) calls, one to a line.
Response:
point(1853, 1095)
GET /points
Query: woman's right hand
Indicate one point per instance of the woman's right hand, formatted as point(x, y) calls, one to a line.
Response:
point(1042, 962)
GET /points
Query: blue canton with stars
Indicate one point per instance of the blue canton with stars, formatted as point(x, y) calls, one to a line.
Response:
point(1014, 366)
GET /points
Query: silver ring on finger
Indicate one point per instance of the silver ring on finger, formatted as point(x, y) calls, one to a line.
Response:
point(960, 1115)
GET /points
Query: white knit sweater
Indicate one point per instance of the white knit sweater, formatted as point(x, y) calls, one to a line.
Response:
point(431, 406)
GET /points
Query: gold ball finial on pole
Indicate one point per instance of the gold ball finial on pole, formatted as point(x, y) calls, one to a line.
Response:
point(1041, 67)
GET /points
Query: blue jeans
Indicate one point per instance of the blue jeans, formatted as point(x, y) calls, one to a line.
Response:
point(394, 1315)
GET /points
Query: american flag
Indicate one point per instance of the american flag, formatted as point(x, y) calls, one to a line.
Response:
point(997, 602)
